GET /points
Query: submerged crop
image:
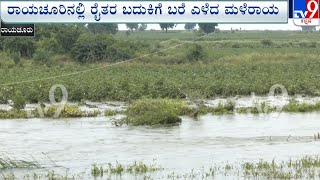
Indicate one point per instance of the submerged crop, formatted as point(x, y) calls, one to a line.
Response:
point(307, 167)
point(10, 163)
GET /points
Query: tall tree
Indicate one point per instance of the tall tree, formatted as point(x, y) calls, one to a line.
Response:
point(208, 27)
point(22, 46)
point(142, 27)
point(62, 36)
point(166, 26)
point(132, 26)
point(103, 28)
point(189, 26)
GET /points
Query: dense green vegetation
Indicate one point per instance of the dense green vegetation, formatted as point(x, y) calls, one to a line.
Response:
point(13, 114)
point(260, 108)
point(155, 112)
point(301, 107)
point(112, 112)
point(67, 111)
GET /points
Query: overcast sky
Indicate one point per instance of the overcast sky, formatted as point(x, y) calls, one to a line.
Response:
point(289, 26)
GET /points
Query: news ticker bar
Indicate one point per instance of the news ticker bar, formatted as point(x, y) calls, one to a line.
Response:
point(145, 11)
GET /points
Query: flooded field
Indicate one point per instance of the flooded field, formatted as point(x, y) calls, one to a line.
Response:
point(88, 102)
point(196, 144)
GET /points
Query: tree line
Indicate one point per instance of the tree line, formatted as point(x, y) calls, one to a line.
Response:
point(83, 43)
point(205, 27)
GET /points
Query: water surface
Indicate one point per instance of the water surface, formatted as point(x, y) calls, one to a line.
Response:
point(78, 143)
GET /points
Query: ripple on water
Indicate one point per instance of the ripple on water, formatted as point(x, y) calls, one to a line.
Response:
point(77, 143)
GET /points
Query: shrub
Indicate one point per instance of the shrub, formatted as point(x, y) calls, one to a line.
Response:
point(42, 56)
point(69, 111)
point(155, 112)
point(67, 35)
point(18, 100)
point(58, 38)
point(235, 45)
point(229, 105)
point(294, 106)
point(104, 48)
point(123, 49)
point(308, 44)
point(25, 46)
point(196, 52)
point(13, 114)
point(111, 112)
point(94, 48)
point(263, 107)
point(16, 58)
point(154, 118)
point(266, 42)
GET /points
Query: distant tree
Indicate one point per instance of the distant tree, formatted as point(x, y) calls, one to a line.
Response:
point(103, 28)
point(142, 27)
point(63, 35)
point(69, 35)
point(132, 26)
point(208, 27)
point(166, 26)
point(23, 46)
point(91, 48)
point(189, 26)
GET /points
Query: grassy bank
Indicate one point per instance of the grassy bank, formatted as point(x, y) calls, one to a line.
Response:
point(163, 111)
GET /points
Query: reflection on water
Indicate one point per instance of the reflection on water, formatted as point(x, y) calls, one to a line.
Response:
point(77, 143)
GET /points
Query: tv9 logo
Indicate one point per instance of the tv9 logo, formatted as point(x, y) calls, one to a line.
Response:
point(306, 12)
